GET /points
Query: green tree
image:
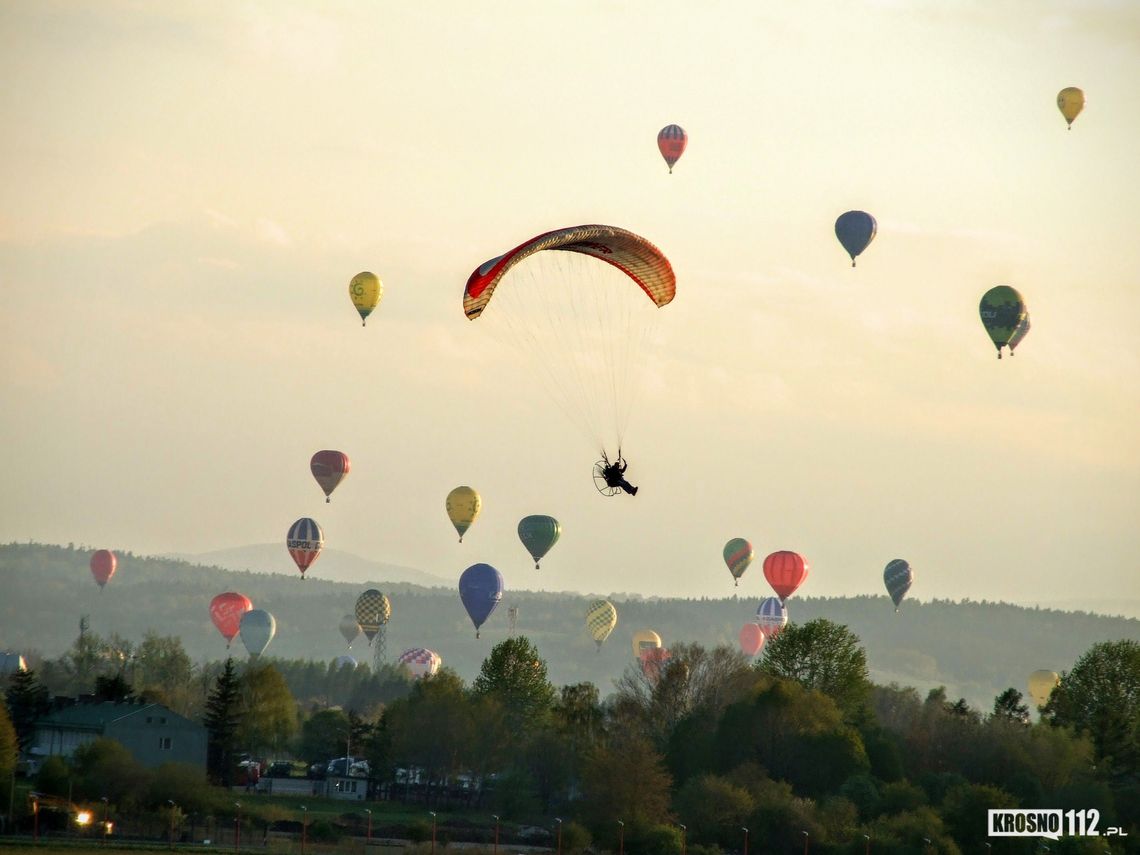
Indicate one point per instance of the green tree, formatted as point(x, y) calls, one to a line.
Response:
point(54, 777)
point(268, 712)
point(1101, 696)
point(714, 809)
point(9, 750)
point(1008, 706)
point(163, 669)
point(222, 720)
point(105, 767)
point(113, 688)
point(432, 728)
point(965, 812)
point(515, 675)
point(824, 656)
point(324, 735)
point(625, 780)
point(27, 701)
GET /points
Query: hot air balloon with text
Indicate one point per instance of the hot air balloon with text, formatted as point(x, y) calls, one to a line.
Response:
point(1003, 311)
point(304, 540)
point(226, 611)
point(772, 617)
point(671, 142)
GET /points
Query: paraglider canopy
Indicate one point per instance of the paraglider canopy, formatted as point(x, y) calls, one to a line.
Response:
point(855, 230)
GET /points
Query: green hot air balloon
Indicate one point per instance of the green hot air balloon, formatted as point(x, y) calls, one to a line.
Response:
point(538, 534)
point(738, 554)
point(1003, 311)
point(257, 629)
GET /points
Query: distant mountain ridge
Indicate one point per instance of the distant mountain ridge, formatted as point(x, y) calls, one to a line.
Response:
point(334, 565)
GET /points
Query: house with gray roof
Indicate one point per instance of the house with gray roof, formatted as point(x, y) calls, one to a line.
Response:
point(152, 733)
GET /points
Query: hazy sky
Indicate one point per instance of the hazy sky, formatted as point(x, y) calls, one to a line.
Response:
point(188, 188)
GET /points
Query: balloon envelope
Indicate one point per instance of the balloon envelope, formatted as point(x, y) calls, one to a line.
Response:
point(481, 590)
point(226, 611)
point(305, 540)
point(373, 610)
point(420, 661)
point(738, 554)
point(538, 534)
point(329, 468)
point(1041, 685)
point(103, 564)
point(751, 639)
point(772, 617)
point(345, 661)
point(349, 628)
point(601, 618)
point(643, 640)
point(1070, 101)
point(785, 572)
point(898, 577)
point(1002, 311)
point(463, 506)
point(257, 629)
point(1018, 334)
point(671, 142)
point(365, 290)
point(855, 230)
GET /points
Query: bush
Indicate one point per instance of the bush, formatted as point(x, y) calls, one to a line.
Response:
point(419, 831)
point(53, 777)
point(323, 831)
point(575, 837)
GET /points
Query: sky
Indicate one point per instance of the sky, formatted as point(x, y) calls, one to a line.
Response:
point(189, 187)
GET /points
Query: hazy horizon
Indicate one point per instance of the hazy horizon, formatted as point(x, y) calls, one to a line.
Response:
point(190, 189)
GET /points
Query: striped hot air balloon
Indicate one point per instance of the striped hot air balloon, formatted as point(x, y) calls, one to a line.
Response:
point(671, 142)
point(305, 540)
point(898, 577)
point(785, 572)
point(373, 610)
point(601, 618)
point(772, 617)
point(738, 554)
point(420, 661)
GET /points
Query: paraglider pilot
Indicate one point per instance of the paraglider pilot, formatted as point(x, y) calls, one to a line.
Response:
point(614, 473)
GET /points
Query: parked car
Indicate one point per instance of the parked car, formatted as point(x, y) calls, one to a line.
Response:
point(348, 767)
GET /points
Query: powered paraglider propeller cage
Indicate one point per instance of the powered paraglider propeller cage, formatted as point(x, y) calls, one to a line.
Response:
point(600, 479)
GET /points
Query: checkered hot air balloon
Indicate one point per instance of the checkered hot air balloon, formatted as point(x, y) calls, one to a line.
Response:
point(420, 661)
point(601, 618)
point(305, 540)
point(373, 610)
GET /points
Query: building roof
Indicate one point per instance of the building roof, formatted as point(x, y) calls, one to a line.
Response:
point(96, 715)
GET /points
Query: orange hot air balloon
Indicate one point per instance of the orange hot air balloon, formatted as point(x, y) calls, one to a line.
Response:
point(226, 611)
point(329, 468)
point(671, 142)
point(752, 639)
point(785, 571)
point(103, 564)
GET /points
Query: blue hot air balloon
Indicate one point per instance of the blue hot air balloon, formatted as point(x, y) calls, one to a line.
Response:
point(898, 577)
point(855, 230)
point(481, 589)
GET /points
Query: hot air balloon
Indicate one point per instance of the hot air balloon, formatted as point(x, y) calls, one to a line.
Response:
point(365, 290)
point(345, 661)
point(420, 661)
point(329, 468)
point(643, 640)
point(257, 629)
point(785, 571)
point(653, 662)
point(1041, 685)
point(738, 554)
point(772, 617)
point(103, 564)
point(538, 534)
point(752, 638)
point(1018, 334)
point(1002, 311)
point(671, 142)
point(898, 577)
point(305, 540)
point(373, 610)
point(349, 628)
point(580, 305)
point(1070, 101)
point(480, 589)
point(226, 611)
point(855, 230)
point(601, 618)
point(463, 506)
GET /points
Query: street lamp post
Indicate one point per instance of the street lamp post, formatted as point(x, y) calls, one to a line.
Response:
point(237, 828)
point(432, 812)
point(745, 830)
point(106, 828)
point(496, 818)
point(684, 830)
point(171, 805)
point(559, 821)
point(35, 819)
point(621, 837)
point(807, 837)
point(926, 840)
point(867, 850)
point(304, 827)
point(369, 837)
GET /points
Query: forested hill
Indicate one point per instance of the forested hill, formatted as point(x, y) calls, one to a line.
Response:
point(975, 649)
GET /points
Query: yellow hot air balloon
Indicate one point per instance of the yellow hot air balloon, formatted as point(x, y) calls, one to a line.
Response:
point(1041, 686)
point(1070, 101)
point(365, 289)
point(463, 506)
point(643, 640)
point(601, 618)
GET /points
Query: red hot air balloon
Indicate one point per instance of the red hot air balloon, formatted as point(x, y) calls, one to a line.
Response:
point(226, 611)
point(785, 571)
point(751, 639)
point(103, 564)
point(671, 142)
point(329, 468)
